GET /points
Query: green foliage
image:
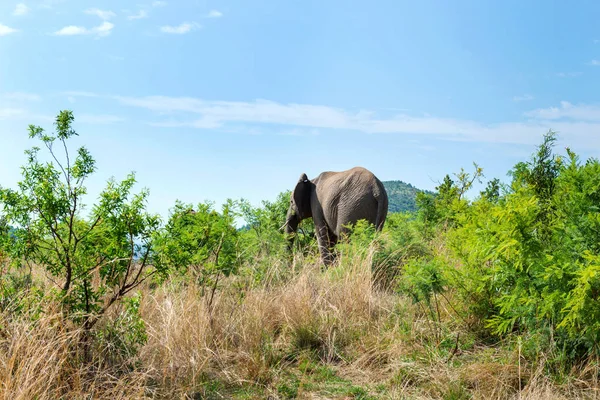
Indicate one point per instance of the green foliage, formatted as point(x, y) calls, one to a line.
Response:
point(263, 237)
point(202, 240)
point(262, 234)
point(18, 295)
point(492, 191)
point(121, 338)
point(441, 210)
point(405, 236)
point(96, 259)
point(530, 258)
point(520, 259)
point(423, 279)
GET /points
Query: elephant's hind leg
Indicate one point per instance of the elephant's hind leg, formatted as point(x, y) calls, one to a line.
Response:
point(326, 240)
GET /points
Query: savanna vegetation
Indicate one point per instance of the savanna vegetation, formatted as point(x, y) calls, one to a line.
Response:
point(473, 295)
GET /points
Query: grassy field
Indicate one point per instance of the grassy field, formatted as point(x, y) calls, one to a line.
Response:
point(300, 333)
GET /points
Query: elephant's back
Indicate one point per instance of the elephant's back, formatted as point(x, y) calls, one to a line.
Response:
point(357, 179)
point(350, 195)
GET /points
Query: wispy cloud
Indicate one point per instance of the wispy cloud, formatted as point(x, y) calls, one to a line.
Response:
point(140, 15)
point(576, 124)
point(299, 132)
point(525, 97)
point(20, 96)
point(21, 9)
point(6, 113)
point(215, 14)
point(102, 30)
point(595, 63)
point(144, 11)
point(184, 28)
point(566, 110)
point(221, 114)
point(6, 30)
point(102, 14)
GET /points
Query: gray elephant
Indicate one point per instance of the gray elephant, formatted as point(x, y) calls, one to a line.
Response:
point(336, 199)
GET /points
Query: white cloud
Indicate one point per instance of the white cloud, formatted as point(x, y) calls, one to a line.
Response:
point(6, 113)
point(595, 63)
point(102, 30)
point(20, 96)
point(525, 97)
point(216, 114)
point(215, 14)
point(102, 14)
point(140, 15)
point(159, 3)
point(21, 9)
point(71, 30)
point(299, 132)
point(576, 124)
point(6, 30)
point(185, 27)
point(568, 111)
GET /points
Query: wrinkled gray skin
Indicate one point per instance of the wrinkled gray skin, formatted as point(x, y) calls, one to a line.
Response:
point(335, 199)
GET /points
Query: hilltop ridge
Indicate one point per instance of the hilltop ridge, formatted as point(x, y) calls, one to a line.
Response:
point(402, 196)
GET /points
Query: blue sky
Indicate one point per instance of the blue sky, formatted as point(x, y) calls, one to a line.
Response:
point(208, 100)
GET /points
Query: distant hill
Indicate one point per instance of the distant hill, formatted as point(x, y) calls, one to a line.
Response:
point(402, 196)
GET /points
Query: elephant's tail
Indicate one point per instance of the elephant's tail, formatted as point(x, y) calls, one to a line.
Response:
point(382, 210)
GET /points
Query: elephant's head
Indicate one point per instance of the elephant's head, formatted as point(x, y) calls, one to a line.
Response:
point(299, 205)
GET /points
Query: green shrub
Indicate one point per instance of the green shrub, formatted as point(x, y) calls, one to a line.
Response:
point(529, 260)
point(202, 242)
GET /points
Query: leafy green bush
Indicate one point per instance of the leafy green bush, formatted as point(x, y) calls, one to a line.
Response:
point(201, 241)
point(529, 259)
point(263, 244)
point(262, 235)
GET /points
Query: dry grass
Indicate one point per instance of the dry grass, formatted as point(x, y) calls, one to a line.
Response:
point(41, 359)
point(313, 335)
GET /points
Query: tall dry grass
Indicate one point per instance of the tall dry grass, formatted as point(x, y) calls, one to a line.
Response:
point(41, 358)
point(254, 335)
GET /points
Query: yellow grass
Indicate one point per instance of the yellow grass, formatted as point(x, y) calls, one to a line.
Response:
point(328, 334)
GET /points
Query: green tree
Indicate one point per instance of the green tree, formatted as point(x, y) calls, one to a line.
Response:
point(95, 259)
point(441, 208)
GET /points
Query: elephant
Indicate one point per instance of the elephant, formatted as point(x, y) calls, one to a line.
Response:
point(335, 199)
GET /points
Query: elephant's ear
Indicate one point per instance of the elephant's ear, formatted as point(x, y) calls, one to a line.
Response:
point(302, 196)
